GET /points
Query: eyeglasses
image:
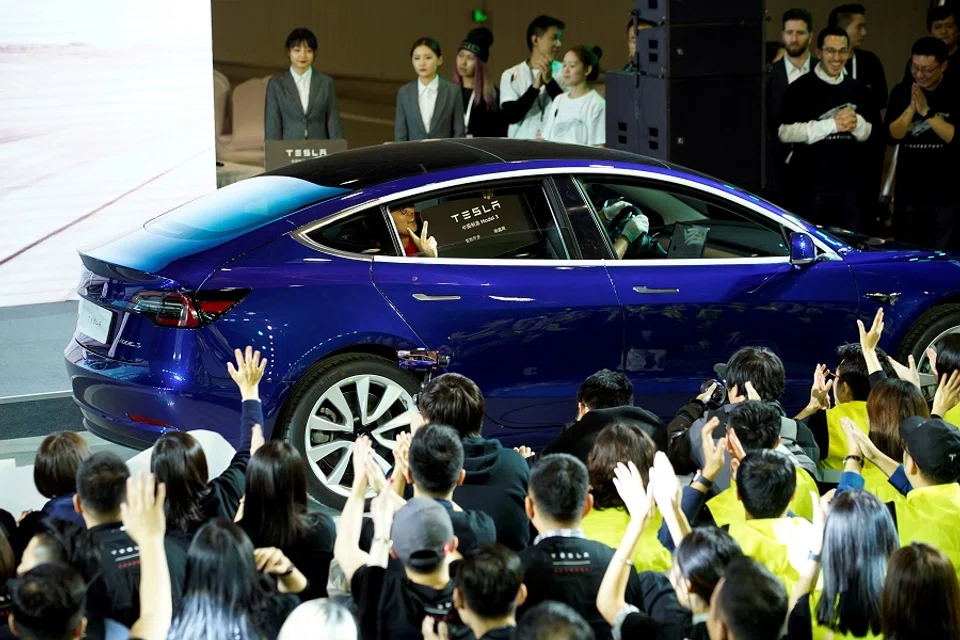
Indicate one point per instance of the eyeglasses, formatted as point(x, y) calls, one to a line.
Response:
point(408, 212)
point(835, 52)
point(923, 71)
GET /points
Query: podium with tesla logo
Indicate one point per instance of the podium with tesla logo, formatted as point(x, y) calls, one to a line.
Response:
point(280, 153)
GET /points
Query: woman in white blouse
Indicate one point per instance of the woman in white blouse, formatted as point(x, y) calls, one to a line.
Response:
point(428, 107)
point(578, 116)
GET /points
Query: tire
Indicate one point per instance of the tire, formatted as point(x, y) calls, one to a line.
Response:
point(927, 332)
point(327, 398)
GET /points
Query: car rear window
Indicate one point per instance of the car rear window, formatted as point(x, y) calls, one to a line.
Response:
point(240, 207)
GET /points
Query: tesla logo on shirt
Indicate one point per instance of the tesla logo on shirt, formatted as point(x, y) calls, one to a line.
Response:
point(476, 211)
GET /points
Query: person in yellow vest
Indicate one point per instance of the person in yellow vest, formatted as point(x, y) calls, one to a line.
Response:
point(928, 478)
point(852, 542)
point(755, 426)
point(608, 520)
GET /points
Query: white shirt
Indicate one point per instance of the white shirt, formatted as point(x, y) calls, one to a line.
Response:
point(816, 130)
point(514, 83)
point(578, 120)
point(794, 72)
point(428, 100)
point(303, 86)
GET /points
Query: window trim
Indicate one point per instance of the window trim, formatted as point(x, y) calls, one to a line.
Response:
point(300, 234)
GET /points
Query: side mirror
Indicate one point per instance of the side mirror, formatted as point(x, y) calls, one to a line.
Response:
point(802, 248)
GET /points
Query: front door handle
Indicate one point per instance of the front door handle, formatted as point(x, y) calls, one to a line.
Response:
point(642, 289)
point(422, 297)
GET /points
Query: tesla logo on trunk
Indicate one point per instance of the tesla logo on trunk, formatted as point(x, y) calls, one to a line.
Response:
point(476, 211)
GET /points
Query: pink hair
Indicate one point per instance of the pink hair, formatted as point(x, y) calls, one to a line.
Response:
point(484, 90)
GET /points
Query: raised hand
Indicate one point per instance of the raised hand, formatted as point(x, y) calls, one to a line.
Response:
point(948, 394)
point(714, 451)
point(382, 510)
point(870, 339)
point(524, 451)
point(256, 439)
point(271, 560)
point(142, 511)
point(751, 391)
point(425, 243)
point(908, 373)
point(375, 476)
point(931, 354)
point(629, 484)
point(428, 631)
point(853, 445)
point(706, 395)
point(734, 446)
point(666, 488)
point(248, 372)
point(820, 389)
point(401, 455)
point(361, 455)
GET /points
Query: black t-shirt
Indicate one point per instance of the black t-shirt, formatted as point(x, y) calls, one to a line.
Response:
point(391, 607)
point(640, 625)
point(570, 570)
point(115, 594)
point(825, 165)
point(926, 164)
point(311, 555)
point(500, 633)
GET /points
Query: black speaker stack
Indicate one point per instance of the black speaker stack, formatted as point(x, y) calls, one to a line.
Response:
point(696, 97)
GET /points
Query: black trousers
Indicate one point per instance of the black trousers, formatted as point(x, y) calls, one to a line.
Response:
point(931, 226)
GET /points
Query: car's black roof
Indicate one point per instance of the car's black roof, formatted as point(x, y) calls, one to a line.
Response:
point(368, 166)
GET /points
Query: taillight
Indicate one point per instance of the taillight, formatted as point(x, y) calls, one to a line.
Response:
point(185, 310)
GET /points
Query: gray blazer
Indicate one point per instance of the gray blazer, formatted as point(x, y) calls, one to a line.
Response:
point(447, 115)
point(283, 115)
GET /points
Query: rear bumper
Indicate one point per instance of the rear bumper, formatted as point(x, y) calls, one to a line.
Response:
point(112, 393)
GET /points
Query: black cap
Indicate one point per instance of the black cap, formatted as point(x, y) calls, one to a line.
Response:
point(934, 445)
point(478, 43)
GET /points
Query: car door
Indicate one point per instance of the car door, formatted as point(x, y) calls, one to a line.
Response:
point(717, 276)
point(504, 299)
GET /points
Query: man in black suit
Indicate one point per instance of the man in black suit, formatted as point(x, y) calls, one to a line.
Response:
point(797, 61)
point(865, 67)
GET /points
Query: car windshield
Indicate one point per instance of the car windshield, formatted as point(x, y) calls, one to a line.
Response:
point(240, 207)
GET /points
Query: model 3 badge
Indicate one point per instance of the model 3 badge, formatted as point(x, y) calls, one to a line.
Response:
point(129, 343)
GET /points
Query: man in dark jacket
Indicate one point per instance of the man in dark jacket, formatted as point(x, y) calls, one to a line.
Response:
point(763, 371)
point(603, 399)
point(496, 478)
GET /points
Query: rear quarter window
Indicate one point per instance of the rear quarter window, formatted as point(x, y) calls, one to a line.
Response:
point(239, 208)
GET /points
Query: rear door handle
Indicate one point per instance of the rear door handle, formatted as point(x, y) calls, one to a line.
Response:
point(642, 289)
point(422, 297)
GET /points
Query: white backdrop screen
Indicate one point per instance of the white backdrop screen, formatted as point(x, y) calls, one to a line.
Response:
point(106, 120)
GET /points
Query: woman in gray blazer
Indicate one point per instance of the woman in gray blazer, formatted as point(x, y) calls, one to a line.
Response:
point(301, 104)
point(428, 107)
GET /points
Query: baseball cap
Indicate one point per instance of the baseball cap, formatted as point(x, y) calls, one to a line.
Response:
point(421, 530)
point(721, 370)
point(933, 444)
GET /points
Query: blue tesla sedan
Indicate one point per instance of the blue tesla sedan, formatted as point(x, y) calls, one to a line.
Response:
point(532, 289)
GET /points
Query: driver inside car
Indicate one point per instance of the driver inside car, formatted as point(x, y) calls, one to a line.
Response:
point(629, 231)
point(405, 220)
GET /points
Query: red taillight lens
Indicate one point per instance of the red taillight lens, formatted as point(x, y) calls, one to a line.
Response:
point(185, 310)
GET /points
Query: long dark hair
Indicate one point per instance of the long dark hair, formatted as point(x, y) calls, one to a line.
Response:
point(220, 586)
point(921, 597)
point(484, 85)
point(858, 539)
point(178, 460)
point(619, 442)
point(276, 498)
point(891, 401)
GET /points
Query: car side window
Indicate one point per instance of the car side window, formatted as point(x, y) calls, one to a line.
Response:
point(509, 221)
point(365, 232)
point(646, 220)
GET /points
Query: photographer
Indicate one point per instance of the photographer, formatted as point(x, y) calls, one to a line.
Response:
point(750, 369)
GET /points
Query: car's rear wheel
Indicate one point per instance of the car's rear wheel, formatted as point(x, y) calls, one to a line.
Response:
point(928, 331)
point(346, 397)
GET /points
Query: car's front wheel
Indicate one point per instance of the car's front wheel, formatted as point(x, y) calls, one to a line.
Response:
point(932, 327)
point(340, 400)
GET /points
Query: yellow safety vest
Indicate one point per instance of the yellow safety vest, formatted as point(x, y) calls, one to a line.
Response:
point(932, 515)
point(837, 451)
point(607, 526)
point(726, 508)
point(953, 416)
point(875, 482)
point(779, 544)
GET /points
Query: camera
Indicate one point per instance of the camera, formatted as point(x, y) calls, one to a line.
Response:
point(719, 396)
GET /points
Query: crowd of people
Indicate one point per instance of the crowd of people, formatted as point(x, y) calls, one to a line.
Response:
point(831, 121)
point(733, 521)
